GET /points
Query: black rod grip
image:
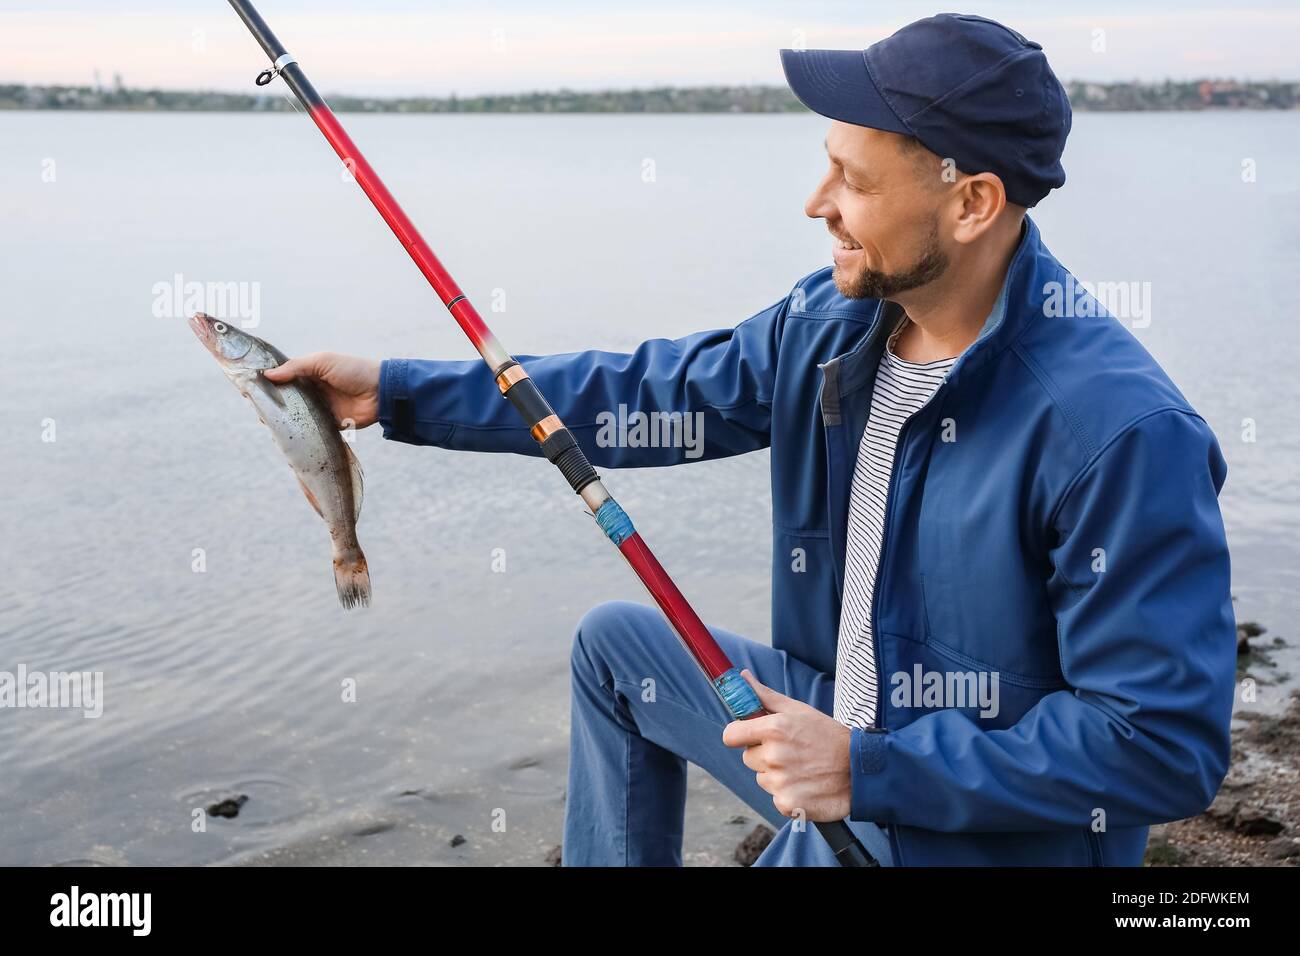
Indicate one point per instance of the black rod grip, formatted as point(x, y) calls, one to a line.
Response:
point(528, 401)
point(846, 847)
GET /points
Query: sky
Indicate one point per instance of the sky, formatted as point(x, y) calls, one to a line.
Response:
point(437, 47)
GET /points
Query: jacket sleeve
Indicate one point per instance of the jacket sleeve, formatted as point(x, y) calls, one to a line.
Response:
point(1147, 645)
point(713, 390)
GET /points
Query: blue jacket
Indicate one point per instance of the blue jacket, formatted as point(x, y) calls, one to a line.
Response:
point(1053, 521)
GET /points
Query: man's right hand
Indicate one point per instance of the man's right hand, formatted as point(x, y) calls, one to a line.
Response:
point(349, 384)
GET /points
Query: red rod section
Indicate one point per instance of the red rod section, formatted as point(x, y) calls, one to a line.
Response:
point(673, 603)
point(464, 313)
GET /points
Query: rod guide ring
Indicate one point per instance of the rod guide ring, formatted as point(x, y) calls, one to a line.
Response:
point(266, 76)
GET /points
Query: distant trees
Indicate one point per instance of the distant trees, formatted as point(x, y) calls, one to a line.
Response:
point(1128, 96)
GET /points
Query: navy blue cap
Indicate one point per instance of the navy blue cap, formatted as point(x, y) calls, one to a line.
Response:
point(968, 88)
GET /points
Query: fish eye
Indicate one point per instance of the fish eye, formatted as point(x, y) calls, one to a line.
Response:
point(220, 327)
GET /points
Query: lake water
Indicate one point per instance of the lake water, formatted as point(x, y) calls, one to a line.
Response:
point(232, 680)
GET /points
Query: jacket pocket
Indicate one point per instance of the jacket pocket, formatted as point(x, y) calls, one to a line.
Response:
point(922, 676)
point(970, 619)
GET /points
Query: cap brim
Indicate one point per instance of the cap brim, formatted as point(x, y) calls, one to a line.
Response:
point(836, 84)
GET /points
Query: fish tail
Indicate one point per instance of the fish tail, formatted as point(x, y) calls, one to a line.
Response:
point(352, 578)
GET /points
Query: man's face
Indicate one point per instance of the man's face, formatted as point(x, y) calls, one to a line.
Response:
point(882, 210)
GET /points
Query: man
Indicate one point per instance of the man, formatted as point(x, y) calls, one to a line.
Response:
point(1001, 623)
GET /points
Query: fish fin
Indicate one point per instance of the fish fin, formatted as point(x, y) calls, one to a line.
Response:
point(269, 388)
point(358, 481)
point(352, 578)
point(311, 499)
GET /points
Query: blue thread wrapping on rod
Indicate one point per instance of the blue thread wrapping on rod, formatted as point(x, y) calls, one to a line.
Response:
point(613, 520)
point(737, 694)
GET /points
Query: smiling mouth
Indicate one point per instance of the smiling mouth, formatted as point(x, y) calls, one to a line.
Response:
point(846, 244)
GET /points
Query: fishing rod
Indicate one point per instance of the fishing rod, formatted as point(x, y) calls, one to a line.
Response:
point(557, 442)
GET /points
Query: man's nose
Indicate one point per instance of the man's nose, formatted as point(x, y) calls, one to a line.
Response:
point(818, 205)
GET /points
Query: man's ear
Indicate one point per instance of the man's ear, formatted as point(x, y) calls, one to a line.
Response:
point(981, 197)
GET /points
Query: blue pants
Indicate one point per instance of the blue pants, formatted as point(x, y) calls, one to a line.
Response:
point(641, 709)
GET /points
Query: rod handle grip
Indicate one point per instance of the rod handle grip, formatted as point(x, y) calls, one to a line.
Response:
point(848, 850)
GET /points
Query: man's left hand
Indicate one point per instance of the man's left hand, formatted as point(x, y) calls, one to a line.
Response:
point(801, 755)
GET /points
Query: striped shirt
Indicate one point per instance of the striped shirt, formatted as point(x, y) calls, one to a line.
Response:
point(901, 389)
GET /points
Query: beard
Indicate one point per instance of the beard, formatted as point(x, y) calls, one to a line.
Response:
point(874, 284)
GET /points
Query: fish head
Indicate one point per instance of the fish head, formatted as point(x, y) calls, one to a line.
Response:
point(231, 346)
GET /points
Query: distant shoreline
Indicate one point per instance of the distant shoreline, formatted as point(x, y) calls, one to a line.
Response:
point(1169, 96)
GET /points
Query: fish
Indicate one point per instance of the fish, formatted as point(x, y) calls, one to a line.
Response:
point(303, 427)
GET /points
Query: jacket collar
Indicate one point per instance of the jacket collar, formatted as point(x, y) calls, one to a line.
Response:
point(1018, 303)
